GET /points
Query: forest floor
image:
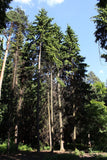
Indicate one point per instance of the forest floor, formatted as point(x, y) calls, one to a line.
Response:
point(46, 155)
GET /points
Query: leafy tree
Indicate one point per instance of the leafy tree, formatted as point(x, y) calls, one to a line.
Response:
point(92, 78)
point(96, 120)
point(100, 90)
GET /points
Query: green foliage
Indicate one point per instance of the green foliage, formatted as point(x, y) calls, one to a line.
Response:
point(3, 147)
point(24, 147)
point(4, 5)
point(12, 148)
point(46, 147)
point(100, 90)
point(101, 26)
point(92, 78)
point(59, 55)
point(78, 153)
point(3, 108)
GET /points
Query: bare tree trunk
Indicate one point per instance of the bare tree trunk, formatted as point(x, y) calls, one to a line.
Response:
point(89, 141)
point(15, 81)
point(16, 134)
point(49, 121)
point(60, 119)
point(75, 128)
point(14, 87)
point(18, 117)
point(8, 144)
point(38, 98)
point(74, 115)
point(52, 108)
point(4, 61)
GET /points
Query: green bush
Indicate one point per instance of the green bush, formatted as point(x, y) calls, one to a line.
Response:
point(46, 147)
point(12, 148)
point(24, 147)
point(3, 147)
point(79, 153)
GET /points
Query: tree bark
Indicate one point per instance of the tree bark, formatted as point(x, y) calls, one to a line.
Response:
point(60, 119)
point(38, 98)
point(14, 87)
point(52, 109)
point(18, 117)
point(49, 121)
point(74, 127)
point(4, 61)
point(8, 144)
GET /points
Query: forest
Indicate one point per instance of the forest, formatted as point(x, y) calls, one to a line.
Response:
point(48, 101)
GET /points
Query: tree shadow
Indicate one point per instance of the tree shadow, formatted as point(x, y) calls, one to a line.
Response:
point(46, 155)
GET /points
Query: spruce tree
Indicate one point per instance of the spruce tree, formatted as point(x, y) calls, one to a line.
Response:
point(40, 30)
point(4, 5)
point(74, 72)
point(101, 26)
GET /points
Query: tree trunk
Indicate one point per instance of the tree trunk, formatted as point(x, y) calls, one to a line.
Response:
point(8, 144)
point(18, 117)
point(4, 61)
point(14, 87)
point(49, 121)
point(38, 98)
point(52, 108)
point(75, 128)
point(89, 141)
point(60, 119)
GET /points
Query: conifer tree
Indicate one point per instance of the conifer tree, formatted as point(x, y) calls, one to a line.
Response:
point(101, 22)
point(4, 5)
point(40, 31)
point(19, 21)
point(73, 75)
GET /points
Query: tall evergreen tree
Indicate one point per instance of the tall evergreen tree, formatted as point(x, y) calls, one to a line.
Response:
point(74, 72)
point(4, 5)
point(41, 31)
point(19, 21)
point(101, 26)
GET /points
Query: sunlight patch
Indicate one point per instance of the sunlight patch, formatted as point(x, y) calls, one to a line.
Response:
point(52, 2)
point(23, 1)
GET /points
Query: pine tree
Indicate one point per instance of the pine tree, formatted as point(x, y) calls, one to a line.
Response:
point(19, 21)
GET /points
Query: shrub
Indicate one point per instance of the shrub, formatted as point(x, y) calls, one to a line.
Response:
point(3, 147)
point(24, 147)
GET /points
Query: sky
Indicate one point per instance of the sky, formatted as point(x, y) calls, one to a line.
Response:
point(78, 14)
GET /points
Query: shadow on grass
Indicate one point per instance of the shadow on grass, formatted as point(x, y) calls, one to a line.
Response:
point(48, 156)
